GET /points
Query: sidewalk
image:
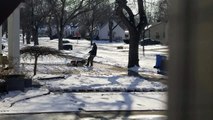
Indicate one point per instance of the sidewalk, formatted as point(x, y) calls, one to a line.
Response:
point(69, 102)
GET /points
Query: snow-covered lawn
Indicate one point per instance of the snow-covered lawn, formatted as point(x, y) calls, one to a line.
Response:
point(99, 78)
point(107, 53)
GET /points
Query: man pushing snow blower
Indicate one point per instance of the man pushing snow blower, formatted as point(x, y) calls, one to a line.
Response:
point(81, 61)
point(92, 53)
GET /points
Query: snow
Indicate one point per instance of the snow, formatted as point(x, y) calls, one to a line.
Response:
point(57, 102)
point(95, 86)
point(12, 97)
point(109, 54)
point(102, 83)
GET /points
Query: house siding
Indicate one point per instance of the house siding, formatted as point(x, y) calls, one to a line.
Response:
point(118, 32)
point(157, 32)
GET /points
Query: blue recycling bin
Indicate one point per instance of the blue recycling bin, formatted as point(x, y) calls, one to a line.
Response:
point(159, 60)
point(161, 63)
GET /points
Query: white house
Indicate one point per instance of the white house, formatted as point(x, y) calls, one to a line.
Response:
point(117, 34)
point(157, 31)
point(70, 31)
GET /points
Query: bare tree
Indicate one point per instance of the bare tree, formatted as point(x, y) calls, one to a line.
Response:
point(64, 11)
point(26, 23)
point(135, 27)
point(33, 15)
point(98, 15)
point(40, 11)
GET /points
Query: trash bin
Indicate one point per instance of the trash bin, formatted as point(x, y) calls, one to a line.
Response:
point(14, 82)
point(3, 86)
point(161, 62)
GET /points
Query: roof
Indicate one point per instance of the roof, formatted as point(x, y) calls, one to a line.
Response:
point(5, 11)
point(119, 23)
point(153, 25)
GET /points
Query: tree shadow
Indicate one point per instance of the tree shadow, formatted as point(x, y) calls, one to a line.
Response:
point(126, 97)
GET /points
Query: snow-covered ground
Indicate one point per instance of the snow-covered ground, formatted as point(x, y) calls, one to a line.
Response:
point(50, 97)
point(107, 53)
point(99, 101)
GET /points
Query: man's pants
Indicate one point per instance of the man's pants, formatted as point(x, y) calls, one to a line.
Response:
point(90, 60)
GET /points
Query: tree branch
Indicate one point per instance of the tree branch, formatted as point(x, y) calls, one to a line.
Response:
point(130, 23)
point(74, 13)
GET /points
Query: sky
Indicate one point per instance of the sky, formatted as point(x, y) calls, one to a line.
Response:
point(51, 98)
point(150, 5)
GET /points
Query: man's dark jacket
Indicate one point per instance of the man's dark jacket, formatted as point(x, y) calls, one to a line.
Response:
point(94, 50)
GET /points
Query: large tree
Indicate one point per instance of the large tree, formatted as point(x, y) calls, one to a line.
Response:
point(33, 16)
point(135, 24)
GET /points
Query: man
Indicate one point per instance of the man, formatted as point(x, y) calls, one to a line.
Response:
point(92, 53)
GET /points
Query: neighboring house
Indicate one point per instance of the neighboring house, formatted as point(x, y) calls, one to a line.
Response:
point(117, 34)
point(157, 31)
point(70, 31)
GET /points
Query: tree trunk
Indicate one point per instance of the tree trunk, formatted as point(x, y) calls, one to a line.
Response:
point(60, 39)
point(35, 65)
point(28, 36)
point(110, 31)
point(50, 28)
point(91, 34)
point(61, 25)
point(23, 34)
point(133, 49)
point(35, 36)
point(60, 43)
point(50, 31)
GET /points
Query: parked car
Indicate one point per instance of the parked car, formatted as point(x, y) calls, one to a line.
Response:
point(3, 46)
point(127, 37)
point(67, 45)
point(53, 37)
point(126, 41)
point(149, 41)
point(65, 41)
